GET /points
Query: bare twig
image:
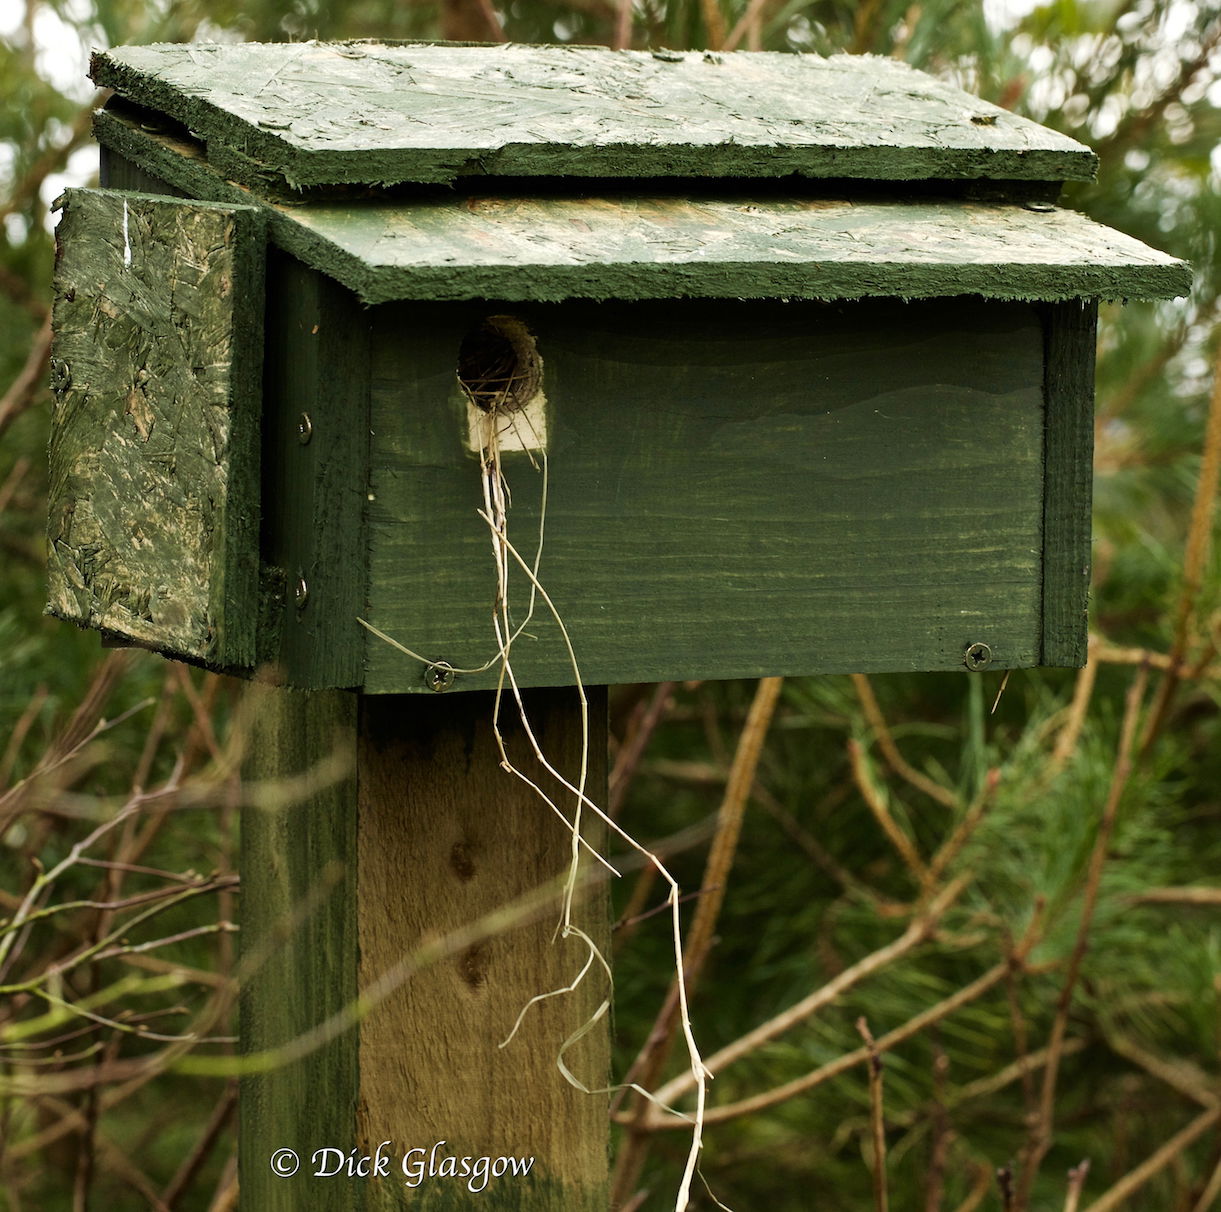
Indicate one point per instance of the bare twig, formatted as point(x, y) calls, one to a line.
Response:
point(825, 995)
point(877, 1117)
point(1070, 734)
point(979, 1192)
point(1004, 1183)
point(1041, 1129)
point(192, 1163)
point(749, 20)
point(934, 1191)
point(30, 380)
point(1116, 1196)
point(648, 1066)
point(890, 751)
point(628, 758)
point(876, 803)
point(1211, 1192)
point(1194, 564)
point(1076, 1184)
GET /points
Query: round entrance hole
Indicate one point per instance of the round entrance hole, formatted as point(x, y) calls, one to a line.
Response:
point(498, 365)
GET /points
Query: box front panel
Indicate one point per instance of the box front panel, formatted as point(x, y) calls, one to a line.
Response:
point(733, 489)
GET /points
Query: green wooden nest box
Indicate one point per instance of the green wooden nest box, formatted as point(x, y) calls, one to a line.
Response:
point(807, 343)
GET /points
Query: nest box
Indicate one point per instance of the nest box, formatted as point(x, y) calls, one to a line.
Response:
point(807, 343)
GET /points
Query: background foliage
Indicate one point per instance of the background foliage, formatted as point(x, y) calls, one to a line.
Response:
point(1081, 815)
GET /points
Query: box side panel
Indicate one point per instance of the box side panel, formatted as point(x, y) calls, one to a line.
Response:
point(734, 490)
point(315, 480)
point(156, 363)
point(1069, 336)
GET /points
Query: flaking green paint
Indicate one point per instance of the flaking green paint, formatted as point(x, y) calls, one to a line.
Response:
point(369, 112)
point(551, 248)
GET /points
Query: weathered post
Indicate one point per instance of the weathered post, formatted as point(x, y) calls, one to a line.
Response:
point(793, 357)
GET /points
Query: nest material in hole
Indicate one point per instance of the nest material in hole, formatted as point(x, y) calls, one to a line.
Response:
point(498, 365)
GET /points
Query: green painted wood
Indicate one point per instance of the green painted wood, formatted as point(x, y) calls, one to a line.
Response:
point(153, 526)
point(548, 249)
point(735, 490)
point(1070, 333)
point(316, 388)
point(378, 113)
point(446, 837)
point(299, 936)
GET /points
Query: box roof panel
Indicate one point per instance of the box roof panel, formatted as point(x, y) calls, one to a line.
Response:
point(666, 247)
point(319, 114)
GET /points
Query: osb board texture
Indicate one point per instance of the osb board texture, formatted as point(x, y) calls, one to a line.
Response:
point(377, 113)
point(299, 944)
point(153, 529)
point(548, 249)
point(446, 837)
point(735, 490)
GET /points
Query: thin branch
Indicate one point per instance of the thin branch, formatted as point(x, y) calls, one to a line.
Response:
point(780, 1094)
point(1135, 1179)
point(877, 1117)
point(749, 20)
point(1195, 562)
point(1041, 1129)
point(634, 746)
point(648, 1066)
point(876, 803)
point(1211, 1192)
point(890, 750)
point(193, 1162)
point(1076, 1184)
point(919, 930)
point(30, 380)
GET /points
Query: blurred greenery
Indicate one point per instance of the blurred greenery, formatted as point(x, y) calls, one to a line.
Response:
point(816, 885)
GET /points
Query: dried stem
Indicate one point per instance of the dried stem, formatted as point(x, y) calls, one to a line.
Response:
point(649, 1064)
point(1198, 542)
point(1076, 1183)
point(750, 20)
point(1074, 724)
point(919, 930)
point(634, 746)
point(195, 1160)
point(877, 1117)
point(780, 1094)
point(943, 1135)
point(30, 380)
point(1211, 1192)
point(876, 803)
point(1135, 1179)
point(890, 751)
point(1041, 1129)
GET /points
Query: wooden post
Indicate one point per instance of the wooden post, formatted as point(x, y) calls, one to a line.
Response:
point(425, 835)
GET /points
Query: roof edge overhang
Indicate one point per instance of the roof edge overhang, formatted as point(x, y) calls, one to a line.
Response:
point(547, 249)
point(310, 115)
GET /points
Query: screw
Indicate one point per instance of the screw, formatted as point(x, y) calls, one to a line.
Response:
point(439, 676)
point(977, 657)
point(61, 376)
point(301, 593)
point(305, 429)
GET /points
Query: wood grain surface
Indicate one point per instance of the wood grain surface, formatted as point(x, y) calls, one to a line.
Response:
point(316, 113)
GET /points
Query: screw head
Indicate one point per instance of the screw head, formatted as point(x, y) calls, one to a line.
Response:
point(977, 657)
point(439, 676)
point(305, 429)
point(301, 591)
